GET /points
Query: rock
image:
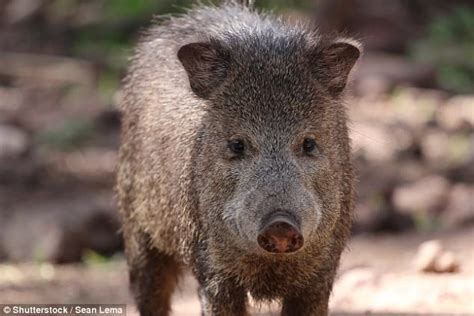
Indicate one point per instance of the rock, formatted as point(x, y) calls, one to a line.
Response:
point(60, 228)
point(427, 254)
point(447, 262)
point(13, 142)
point(446, 150)
point(431, 257)
point(90, 165)
point(434, 146)
point(416, 107)
point(427, 196)
point(460, 209)
point(370, 142)
point(377, 142)
point(410, 170)
point(457, 113)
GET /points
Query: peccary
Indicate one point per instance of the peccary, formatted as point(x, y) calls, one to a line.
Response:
point(235, 161)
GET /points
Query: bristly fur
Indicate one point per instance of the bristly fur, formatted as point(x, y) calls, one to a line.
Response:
point(183, 202)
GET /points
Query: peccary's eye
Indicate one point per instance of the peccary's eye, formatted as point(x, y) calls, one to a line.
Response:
point(309, 146)
point(237, 147)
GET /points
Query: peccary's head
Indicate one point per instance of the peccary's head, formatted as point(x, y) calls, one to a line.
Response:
point(272, 156)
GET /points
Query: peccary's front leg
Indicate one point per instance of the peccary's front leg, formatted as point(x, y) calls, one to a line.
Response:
point(222, 298)
point(153, 276)
point(220, 295)
point(308, 303)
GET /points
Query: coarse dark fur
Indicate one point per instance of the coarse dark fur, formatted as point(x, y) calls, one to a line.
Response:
point(196, 82)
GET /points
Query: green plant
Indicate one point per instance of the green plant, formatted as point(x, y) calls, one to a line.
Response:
point(92, 258)
point(449, 46)
point(69, 135)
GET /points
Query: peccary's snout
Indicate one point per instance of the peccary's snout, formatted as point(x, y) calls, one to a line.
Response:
point(280, 233)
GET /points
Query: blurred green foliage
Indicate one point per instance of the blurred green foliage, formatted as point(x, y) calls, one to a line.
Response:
point(449, 45)
point(67, 136)
point(425, 222)
point(92, 258)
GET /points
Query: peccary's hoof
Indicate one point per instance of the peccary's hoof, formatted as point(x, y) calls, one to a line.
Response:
point(280, 235)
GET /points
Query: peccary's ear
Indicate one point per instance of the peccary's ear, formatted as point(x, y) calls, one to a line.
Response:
point(334, 62)
point(206, 65)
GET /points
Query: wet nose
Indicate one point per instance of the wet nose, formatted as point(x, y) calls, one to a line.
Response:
point(280, 234)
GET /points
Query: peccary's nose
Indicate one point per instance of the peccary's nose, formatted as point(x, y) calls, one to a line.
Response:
point(281, 234)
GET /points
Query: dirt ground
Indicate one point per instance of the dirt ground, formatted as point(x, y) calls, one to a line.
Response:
point(377, 277)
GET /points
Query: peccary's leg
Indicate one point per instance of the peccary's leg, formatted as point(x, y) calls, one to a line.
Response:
point(153, 276)
point(220, 295)
point(309, 303)
point(223, 299)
